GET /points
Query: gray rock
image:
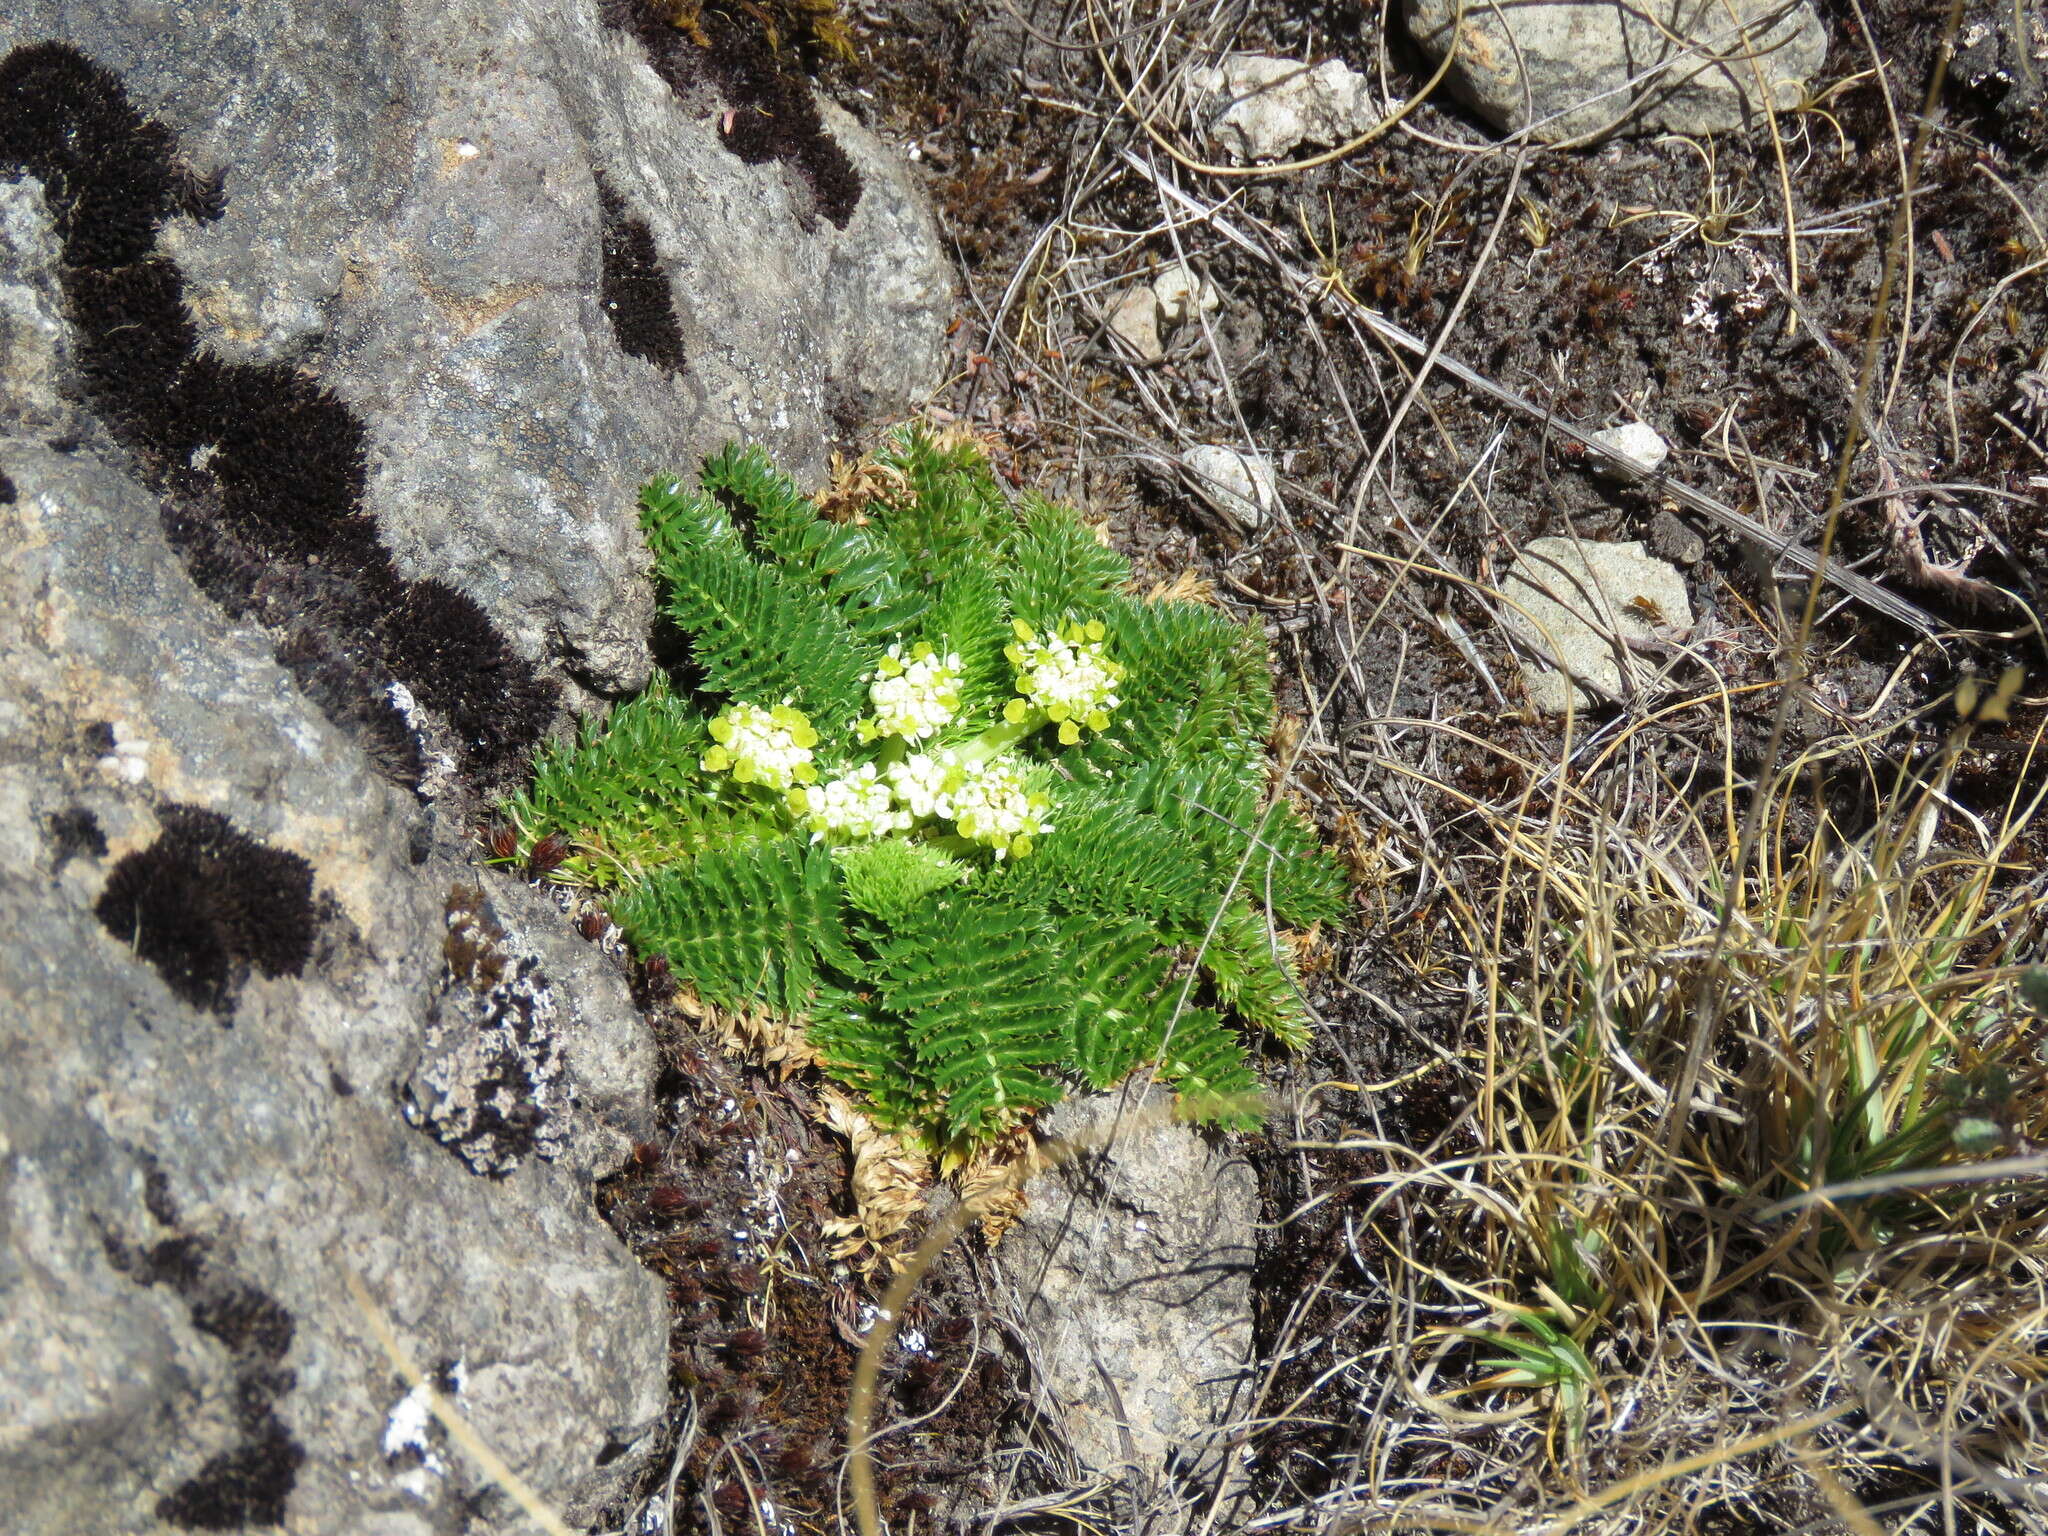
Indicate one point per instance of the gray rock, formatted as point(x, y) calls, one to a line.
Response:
point(1183, 293)
point(36, 355)
point(1240, 485)
point(889, 289)
point(1584, 68)
point(188, 1165)
point(1134, 1269)
point(1263, 108)
point(413, 216)
point(1580, 605)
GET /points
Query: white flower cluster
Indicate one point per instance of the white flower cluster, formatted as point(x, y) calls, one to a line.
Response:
point(855, 807)
point(913, 697)
point(924, 782)
point(769, 747)
point(989, 803)
point(1068, 674)
point(1065, 677)
point(995, 807)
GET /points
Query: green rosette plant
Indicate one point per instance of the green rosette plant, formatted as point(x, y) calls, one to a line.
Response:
point(938, 789)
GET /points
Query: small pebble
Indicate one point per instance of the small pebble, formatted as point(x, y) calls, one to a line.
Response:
point(1241, 485)
point(1639, 444)
point(1181, 291)
point(1136, 319)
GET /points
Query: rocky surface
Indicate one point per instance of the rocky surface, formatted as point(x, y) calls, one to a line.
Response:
point(1133, 1266)
point(412, 214)
point(1570, 69)
point(1601, 612)
point(332, 347)
point(230, 931)
point(1263, 108)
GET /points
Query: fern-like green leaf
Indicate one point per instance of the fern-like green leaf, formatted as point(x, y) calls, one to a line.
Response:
point(680, 523)
point(863, 576)
point(629, 796)
point(1266, 848)
point(1293, 873)
point(1122, 999)
point(1197, 687)
point(743, 925)
point(981, 988)
point(1253, 975)
point(1102, 857)
point(953, 511)
point(968, 619)
point(1205, 1061)
point(760, 638)
point(1058, 568)
point(869, 1048)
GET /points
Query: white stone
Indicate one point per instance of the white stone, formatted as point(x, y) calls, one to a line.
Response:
point(1582, 604)
point(1568, 65)
point(1134, 1267)
point(1240, 485)
point(1642, 445)
point(1270, 106)
point(1181, 292)
point(1135, 317)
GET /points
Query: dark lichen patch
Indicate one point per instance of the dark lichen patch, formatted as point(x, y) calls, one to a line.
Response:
point(442, 645)
point(246, 1485)
point(261, 469)
point(251, 1481)
point(156, 1191)
point(75, 832)
point(244, 1318)
point(772, 114)
point(179, 1262)
point(633, 289)
point(107, 170)
point(333, 677)
point(205, 902)
point(7, 491)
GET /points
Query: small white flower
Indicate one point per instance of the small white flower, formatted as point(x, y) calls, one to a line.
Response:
point(769, 747)
point(1068, 674)
point(855, 807)
point(914, 697)
point(924, 782)
point(993, 804)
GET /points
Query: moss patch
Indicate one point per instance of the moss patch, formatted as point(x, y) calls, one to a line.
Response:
point(635, 291)
point(205, 902)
